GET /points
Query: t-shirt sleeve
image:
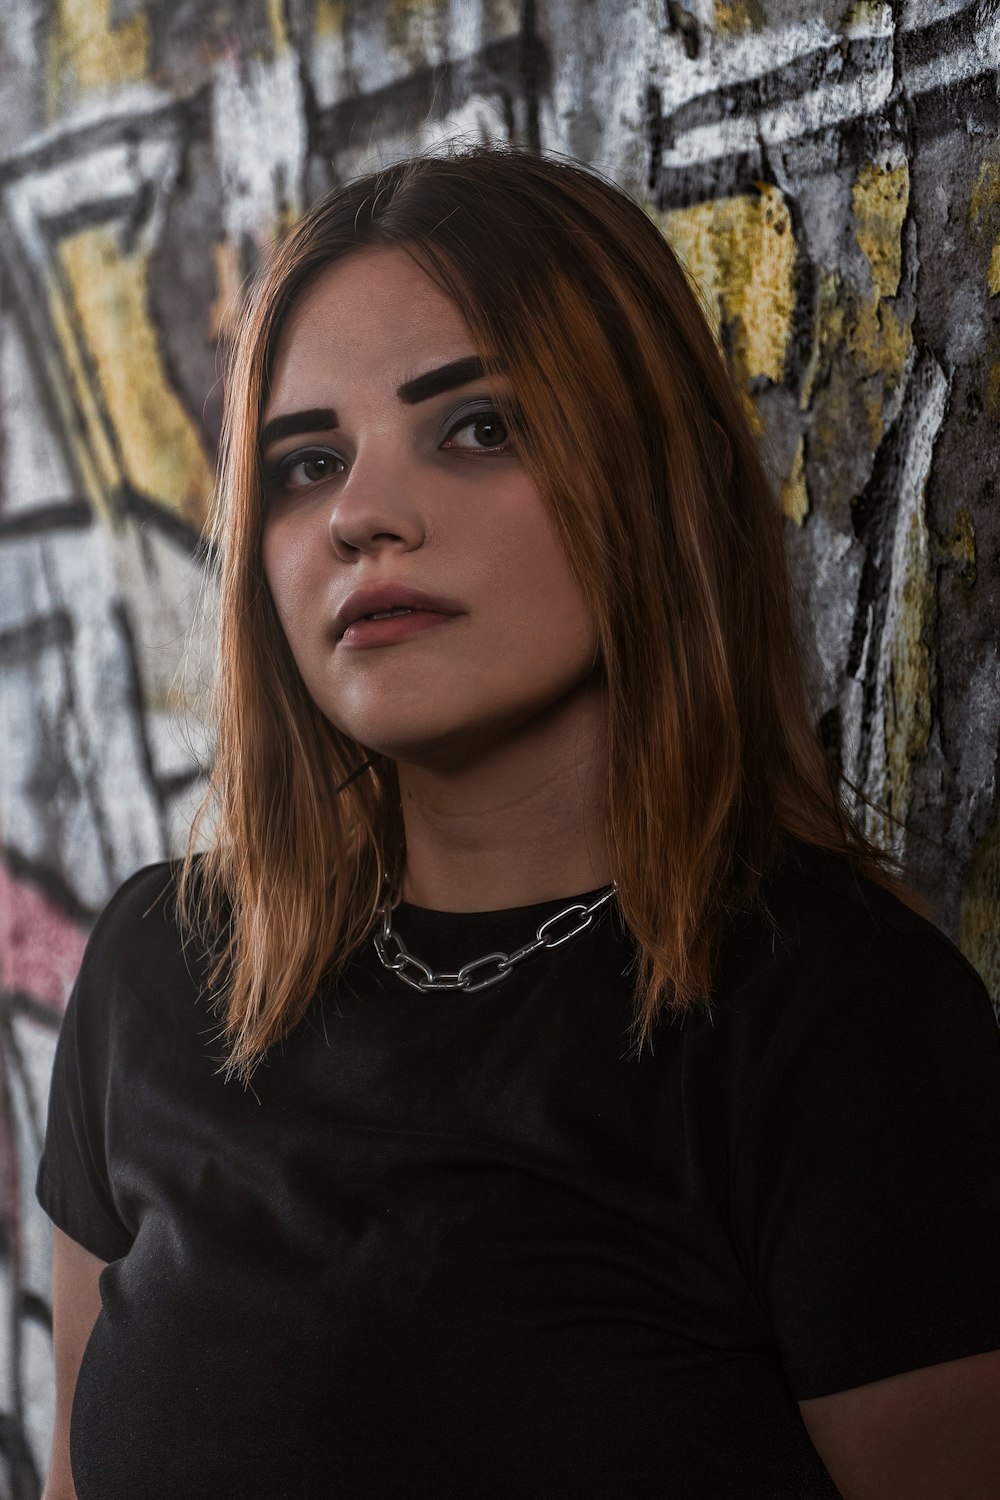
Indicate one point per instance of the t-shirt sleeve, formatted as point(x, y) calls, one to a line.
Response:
point(74, 1183)
point(866, 1183)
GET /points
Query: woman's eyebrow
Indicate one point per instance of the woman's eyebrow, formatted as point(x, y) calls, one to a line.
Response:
point(444, 378)
point(323, 418)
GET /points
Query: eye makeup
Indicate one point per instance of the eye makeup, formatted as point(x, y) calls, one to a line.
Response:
point(275, 471)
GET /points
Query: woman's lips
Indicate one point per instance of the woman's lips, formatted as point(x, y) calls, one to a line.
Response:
point(396, 628)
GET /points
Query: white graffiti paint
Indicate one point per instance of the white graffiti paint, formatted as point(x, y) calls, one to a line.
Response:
point(259, 139)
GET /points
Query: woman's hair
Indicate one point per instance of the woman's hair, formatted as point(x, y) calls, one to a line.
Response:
point(619, 389)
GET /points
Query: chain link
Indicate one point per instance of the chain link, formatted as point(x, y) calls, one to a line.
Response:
point(403, 960)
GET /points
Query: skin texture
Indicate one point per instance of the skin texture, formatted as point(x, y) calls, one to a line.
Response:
point(498, 736)
point(76, 1305)
point(927, 1434)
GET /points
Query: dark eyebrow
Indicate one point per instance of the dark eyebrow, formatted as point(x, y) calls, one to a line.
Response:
point(316, 419)
point(444, 378)
point(420, 388)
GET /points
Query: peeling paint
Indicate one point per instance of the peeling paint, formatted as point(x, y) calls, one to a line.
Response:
point(881, 194)
point(741, 253)
point(861, 351)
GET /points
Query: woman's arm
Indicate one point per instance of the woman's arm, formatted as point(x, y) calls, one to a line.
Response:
point(927, 1434)
point(76, 1302)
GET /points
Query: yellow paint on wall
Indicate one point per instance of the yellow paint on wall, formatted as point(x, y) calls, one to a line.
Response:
point(985, 192)
point(907, 700)
point(84, 426)
point(861, 343)
point(739, 15)
point(984, 215)
point(794, 491)
point(276, 21)
point(880, 195)
point(161, 453)
point(880, 340)
point(86, 52)
point(329, 17)
point(993, 273)
point(741, 253)
point(859, 353)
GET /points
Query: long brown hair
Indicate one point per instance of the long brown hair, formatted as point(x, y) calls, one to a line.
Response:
point(567, 286)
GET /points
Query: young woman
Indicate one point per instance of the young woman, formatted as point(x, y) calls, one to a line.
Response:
point(515, 766)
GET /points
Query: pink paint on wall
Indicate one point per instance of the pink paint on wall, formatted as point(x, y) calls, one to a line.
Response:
point(40, 947)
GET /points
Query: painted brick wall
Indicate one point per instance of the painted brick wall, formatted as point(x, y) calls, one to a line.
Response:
point(831, 176)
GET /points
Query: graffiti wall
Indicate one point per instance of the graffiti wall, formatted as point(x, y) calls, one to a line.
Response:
point(830, 175)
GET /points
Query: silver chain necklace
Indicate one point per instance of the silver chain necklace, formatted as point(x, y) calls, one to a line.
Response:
point(403, 959)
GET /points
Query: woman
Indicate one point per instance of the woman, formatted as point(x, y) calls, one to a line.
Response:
point(446, 1234)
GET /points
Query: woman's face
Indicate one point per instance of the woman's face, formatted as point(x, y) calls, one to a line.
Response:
point(376, 488)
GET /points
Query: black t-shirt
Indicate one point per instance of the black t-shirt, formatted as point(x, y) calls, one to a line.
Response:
point(467, 1245)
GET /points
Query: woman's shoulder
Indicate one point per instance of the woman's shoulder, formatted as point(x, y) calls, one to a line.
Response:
point(833, 931)
point(151, 886)
point(139, 920)
point(837, 977)
point(836, 903)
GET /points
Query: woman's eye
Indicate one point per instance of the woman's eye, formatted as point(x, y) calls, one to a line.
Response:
point(489, 422)
point(313, 466)
point(304, 470)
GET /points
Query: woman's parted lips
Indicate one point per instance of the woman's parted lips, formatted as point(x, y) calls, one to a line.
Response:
point(376, 597)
